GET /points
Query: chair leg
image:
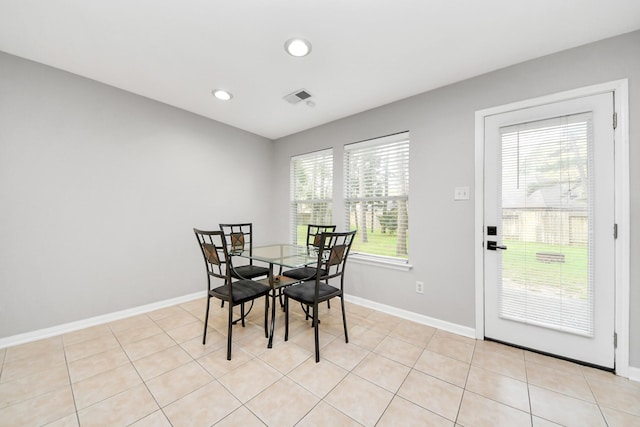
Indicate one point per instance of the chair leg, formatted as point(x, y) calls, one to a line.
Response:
point(344, 319)
point(229, 329)
point(307, 312)
point(286, 318)
point(242, 313)
point(315, 331)
point(206, 320)
point(266, 316)
point(328, 301)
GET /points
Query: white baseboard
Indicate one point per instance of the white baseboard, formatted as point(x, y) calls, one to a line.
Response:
point(634, 374)
point(93, 321)
point(414, 317)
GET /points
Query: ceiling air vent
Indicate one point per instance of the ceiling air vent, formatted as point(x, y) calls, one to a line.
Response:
point(297, 96)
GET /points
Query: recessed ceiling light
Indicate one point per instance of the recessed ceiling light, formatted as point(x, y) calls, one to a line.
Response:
point(222, 94)
point(297, 47)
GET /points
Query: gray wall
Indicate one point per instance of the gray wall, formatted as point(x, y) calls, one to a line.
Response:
point(100, 190)
point(441, 125)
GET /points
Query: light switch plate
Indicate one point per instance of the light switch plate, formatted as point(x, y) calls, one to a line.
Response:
point(461, 193)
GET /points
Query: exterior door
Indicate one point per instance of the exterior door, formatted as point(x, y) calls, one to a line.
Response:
point(549, 229)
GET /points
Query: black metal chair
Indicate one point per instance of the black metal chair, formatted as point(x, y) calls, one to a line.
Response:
point(313, 243)
point(333, 250)
point(216, 258)
point(238, 238)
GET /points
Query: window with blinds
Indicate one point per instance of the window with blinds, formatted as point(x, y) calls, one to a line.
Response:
point(376, 188)
point(547, 211)
point(311, 192)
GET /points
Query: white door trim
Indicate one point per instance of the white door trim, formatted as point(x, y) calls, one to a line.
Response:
point(622, 200)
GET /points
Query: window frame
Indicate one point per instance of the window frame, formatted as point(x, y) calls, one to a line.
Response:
point(322, 157)
point(399, 159)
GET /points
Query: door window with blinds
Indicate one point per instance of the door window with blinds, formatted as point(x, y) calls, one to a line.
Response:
point(376, 188)
point(311, 192)
point(547, 210)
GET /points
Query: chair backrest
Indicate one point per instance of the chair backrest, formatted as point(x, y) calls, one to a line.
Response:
point(239, 237)
point(332, 255)
point(314, 232)
point(214, 251)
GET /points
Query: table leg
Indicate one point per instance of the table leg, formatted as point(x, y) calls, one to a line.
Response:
point(273, 306)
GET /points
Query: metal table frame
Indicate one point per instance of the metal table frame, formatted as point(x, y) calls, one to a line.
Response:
point(283, 255)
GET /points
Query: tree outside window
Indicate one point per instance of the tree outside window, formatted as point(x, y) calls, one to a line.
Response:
point(377, 195)
point(311, 192)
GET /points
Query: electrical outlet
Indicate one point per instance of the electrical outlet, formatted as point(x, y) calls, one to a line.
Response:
point(420, 287)
point(461, 193)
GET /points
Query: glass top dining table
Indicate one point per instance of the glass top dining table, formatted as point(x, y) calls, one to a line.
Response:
point(282, 255)
point(285, 255)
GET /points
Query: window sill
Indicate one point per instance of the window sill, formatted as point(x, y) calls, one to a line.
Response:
point(380, 262)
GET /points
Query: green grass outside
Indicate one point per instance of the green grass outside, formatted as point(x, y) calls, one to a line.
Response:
point(377, 244)
point(519, 262)
point(521, 267)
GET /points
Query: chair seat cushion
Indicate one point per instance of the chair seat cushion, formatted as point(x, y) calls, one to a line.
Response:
point(304, 273)
point(249, 271)
point(305, 292)
point(243, 290)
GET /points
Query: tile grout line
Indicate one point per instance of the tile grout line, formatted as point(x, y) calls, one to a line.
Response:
point(193, 359)
point(411, 368)
point(526, 378)
point(321, 399)
point(73, 394)
point(466, 380)
point(138, 372)
point(4, 357)
point(344, 378)
point(311, 357)
point(595, 398)
point(282, 375)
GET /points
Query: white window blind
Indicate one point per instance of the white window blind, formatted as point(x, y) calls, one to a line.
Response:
point(311, 192)
point(547, 211)
point(376, 188)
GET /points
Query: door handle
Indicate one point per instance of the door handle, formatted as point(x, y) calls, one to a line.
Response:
point(492, 246)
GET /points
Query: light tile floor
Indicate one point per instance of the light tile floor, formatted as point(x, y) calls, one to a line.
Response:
point(152, 370)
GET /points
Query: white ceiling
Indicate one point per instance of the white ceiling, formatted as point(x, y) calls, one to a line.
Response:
point(366, 53)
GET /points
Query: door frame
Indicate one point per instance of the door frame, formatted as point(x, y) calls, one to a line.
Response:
point(620, 88)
